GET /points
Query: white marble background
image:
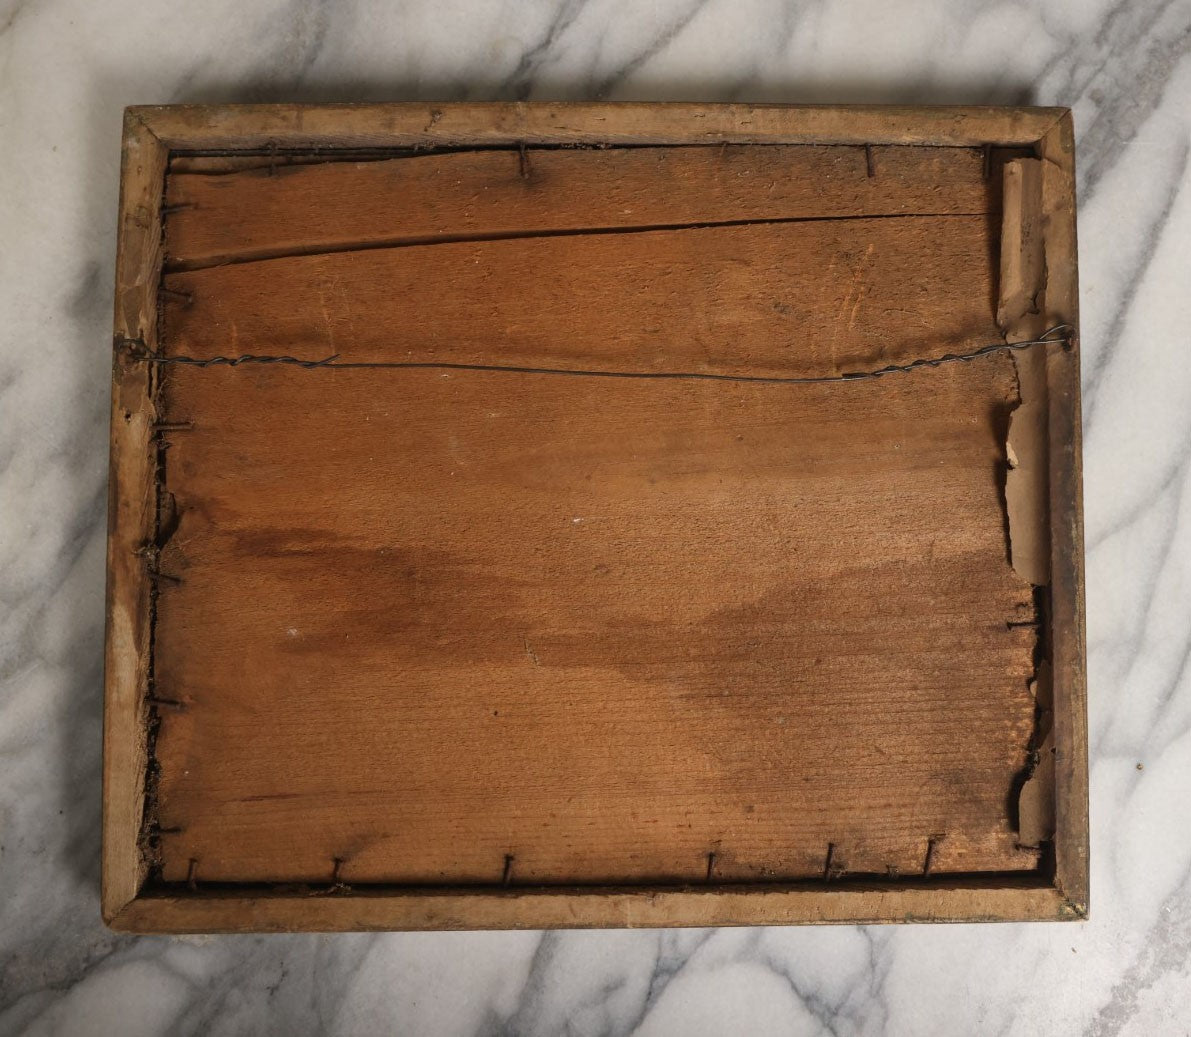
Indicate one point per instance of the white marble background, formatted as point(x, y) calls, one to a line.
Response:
point(67, 67)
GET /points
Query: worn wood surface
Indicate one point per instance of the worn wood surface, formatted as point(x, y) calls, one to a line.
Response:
point(942, 901)
point(417, 124)
point(132, 518)
point(797, 298)
point(1066, 629)
point(673, 482)
point(271, 211)
point(429, 619)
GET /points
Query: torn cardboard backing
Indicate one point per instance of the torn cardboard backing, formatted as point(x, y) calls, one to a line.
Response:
point(1021, 314)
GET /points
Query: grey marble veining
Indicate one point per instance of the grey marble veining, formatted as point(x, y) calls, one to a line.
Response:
point(68, 67)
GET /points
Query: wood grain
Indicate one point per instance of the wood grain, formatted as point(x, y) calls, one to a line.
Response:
point(1068, 650)
point(272, 211)
point(429, 619)
point(250, 910)
point(263, 127)
point(768, 299)
point(132, 519)
point(732, 555)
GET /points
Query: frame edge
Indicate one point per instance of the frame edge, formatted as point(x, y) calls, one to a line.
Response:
point(566, 909)
point(151, 132)
point(413, 124)
point(1057, 151)
point(131, 515)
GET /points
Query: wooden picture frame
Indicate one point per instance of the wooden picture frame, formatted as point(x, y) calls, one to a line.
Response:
point(153, 136)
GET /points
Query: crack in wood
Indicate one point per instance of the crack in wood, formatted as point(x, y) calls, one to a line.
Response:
point(267, 255)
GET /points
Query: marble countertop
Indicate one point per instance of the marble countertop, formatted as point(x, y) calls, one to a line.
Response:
point(67, 68)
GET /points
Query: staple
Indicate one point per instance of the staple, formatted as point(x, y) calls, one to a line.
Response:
point(173, 293)
point(506, 877)
point(931, 843)
point(172, 426)
point(987, 162)
point(168, 210)
point(829, 864)
point(1013, 624)
point(192, 875)
point(1058, 335)
point(523, 161)
point(710, 865)
point(869, 165)
point(157, 574)
point(173, 830)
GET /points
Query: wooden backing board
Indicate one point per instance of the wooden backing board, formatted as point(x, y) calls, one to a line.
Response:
point(605, 626)
point(272, 210)
point(787, 299)
point(584, 607)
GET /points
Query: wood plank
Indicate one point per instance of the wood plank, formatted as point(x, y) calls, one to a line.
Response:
point(431, 619)
point(273, 211)
point(1068, 649)
point(217, 163)
point(417, 124)
point(579, 909)
point(132, 518)
point(787, 299)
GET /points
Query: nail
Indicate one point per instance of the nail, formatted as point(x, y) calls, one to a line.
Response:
point(930, 854)
point(828, 865)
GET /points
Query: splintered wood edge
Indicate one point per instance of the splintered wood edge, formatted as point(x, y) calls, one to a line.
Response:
point(1068, 658)
point(152, 132)
point(570, 909)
